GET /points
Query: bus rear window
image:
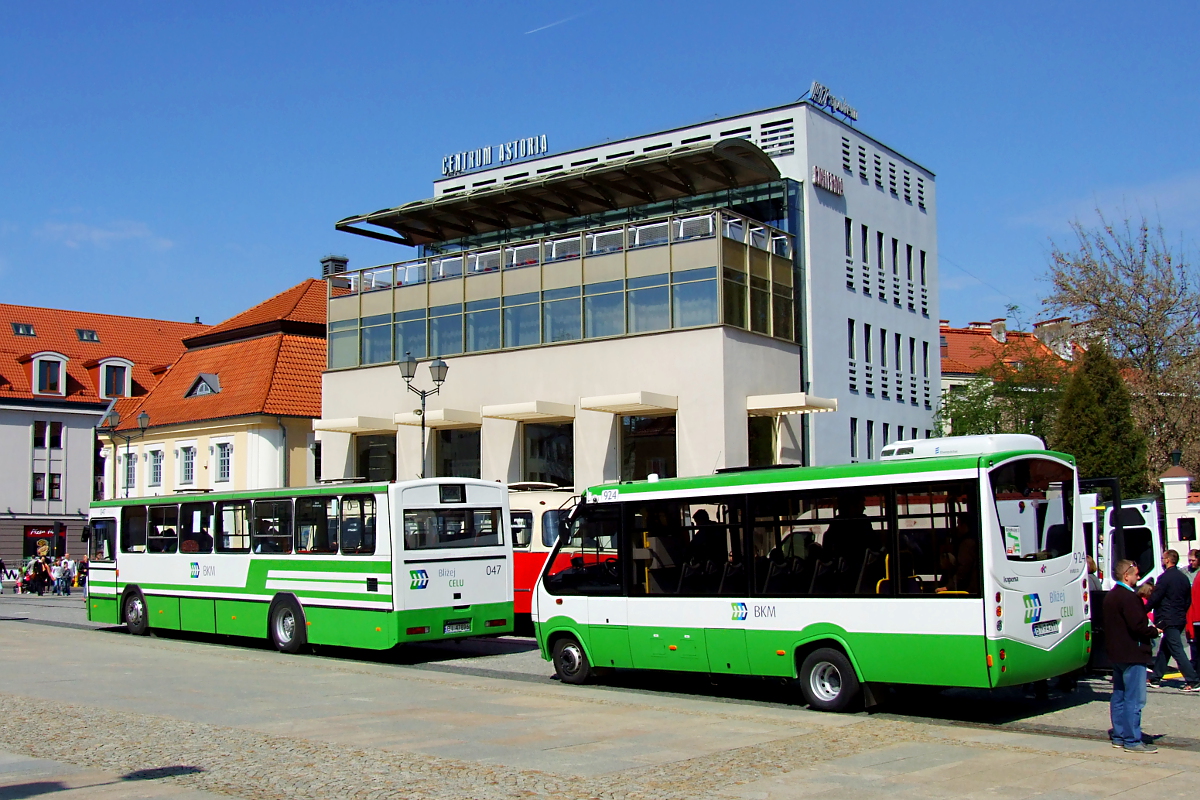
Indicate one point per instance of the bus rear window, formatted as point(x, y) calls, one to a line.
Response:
point(434, 528)
point(522, 528)
point(1035, 504)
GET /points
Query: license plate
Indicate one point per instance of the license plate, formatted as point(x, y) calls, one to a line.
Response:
point(457, 627)
point(1046, 628)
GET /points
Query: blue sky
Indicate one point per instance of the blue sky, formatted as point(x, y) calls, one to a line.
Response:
point(181, 160)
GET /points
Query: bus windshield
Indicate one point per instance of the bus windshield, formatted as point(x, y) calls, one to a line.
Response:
point(1035, 505)
point(586, 559)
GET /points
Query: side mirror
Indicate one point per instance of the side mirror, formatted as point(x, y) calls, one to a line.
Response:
point(87, 533)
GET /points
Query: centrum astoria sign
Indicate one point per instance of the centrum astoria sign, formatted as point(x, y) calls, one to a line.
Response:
point(828, 181)
point(821, 96)
point(504, 153)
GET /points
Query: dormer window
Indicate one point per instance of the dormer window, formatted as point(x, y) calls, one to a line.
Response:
point(87, 335)
point(205, 384)
point(115, 378)
point(23, 329)
point(49, 372)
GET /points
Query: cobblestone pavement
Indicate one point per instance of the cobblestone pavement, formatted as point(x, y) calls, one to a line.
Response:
point(180, 718)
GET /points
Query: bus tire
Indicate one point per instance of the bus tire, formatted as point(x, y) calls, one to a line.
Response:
point(133, 612)
point(570, 662)
point(828, 680)
point(285, 625)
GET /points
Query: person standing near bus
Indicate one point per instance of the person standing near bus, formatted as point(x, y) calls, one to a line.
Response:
point(1169, 602)
point(1128, 634)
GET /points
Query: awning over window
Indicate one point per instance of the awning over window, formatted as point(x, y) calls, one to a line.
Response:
point(771, 405)
point(621, 183)
point(442, 418)
point(633, 403)
point(355, 425)
point(533, 411)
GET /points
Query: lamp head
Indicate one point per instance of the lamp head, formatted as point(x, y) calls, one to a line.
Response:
point(408, 367)
point(143, 420)
point(112, 420)
point(438, 370)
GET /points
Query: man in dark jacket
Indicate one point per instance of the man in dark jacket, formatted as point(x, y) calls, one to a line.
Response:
point(1128, 634)
point(1169, 602)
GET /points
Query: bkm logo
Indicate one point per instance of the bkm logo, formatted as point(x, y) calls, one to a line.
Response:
point(739, 611)
point(195, 569)
point(1033, 608)
point(420, 579)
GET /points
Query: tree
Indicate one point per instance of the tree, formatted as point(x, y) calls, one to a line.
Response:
point(1016, 391)
point(1096, 425)
point(1141, 296)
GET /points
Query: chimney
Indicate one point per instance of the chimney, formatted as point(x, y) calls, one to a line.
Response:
point(1057, 334)
point(333, 265)
point(979, 326)
point(999, 330)
point(943, 323)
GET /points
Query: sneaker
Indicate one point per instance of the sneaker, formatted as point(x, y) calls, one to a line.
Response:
point(1140, 747)
point(1117, 743)
point(1154, 683)
point(1191, 688)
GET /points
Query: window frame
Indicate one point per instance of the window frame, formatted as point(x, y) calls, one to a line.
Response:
point(283, 541)
point(247, 508)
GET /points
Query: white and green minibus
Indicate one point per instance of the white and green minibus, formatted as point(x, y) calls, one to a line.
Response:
point(948, 562)
point(351, 564)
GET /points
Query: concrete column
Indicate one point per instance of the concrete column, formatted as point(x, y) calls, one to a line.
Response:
point(1176, 484)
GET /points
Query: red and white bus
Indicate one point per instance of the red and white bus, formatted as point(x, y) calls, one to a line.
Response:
point(538, 512)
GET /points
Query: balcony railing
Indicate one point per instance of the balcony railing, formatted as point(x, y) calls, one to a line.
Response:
point(643, 234)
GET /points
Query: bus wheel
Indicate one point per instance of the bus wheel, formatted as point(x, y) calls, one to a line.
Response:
point(827, 680)
point(570, 662)
point(137, 621)
point(286, 625)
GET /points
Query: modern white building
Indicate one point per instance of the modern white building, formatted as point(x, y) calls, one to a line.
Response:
point(752, 290)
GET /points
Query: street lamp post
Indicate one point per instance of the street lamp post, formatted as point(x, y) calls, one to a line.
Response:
point(437, 370)
point(109, 425)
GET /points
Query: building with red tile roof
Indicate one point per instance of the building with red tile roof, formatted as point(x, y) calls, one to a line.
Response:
point(59, 371)
point(235, 410)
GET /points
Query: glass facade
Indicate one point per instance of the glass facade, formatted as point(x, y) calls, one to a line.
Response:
point(647, 447)
point(748, 284)
point(549, 453)
point(457, 453)
point(375, 455)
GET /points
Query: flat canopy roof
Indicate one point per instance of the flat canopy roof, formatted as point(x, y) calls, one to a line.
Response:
point(620, 183)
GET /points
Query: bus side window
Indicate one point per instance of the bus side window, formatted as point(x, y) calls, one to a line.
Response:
point(522, 528)
point(312, 524)
point(195, 528)
point(938, 533)
point(233, 527)
point(103, 542)
point(691, 549)
point(133, 529)
point(272, 526)
point(358, 525)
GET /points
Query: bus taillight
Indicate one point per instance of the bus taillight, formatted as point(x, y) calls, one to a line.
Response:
point(495, 623)
point(418, 631)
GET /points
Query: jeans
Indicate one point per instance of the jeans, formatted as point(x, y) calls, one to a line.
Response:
point(1128, 700)
point(1172, 647)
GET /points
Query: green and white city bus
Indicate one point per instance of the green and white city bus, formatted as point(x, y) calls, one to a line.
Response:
point(948, 562)
point(358, 565)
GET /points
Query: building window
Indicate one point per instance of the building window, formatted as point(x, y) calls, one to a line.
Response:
point(761, 441)
point(854, 438)
point(850, 343)
point(483, 325)
point(867, 343)
point(316, 451)
point(694, 297)
point(411, 334)
point(866, 240)
point(647, 447)
point(87, 335)
point(923, 274)
point(49, 376)
point(649, 302)
point(156, 467)
point(187, 465)
point(375, 455)
point(39, 486)
point(39, 433)
point(56, 486)
point(849, 238)
point(522, 326)
point(224, 461)
point(870, 439)
point(562, 315)
point(735, 298)
point(376, 339)
point(604, 309)
point(22, 329)
point(457, 453)
point(130, 471)
point(549, 451)
point(114, 380)
point(887, 429)
point(883, 344)
point(343, 343)
point(446, 330)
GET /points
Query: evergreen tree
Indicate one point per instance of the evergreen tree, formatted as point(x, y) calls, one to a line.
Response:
point(1095, 424)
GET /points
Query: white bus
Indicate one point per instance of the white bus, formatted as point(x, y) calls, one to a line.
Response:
point(898, 571)
point(357, 565)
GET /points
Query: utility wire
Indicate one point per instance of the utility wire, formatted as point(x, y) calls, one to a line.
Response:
point(968, 273)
